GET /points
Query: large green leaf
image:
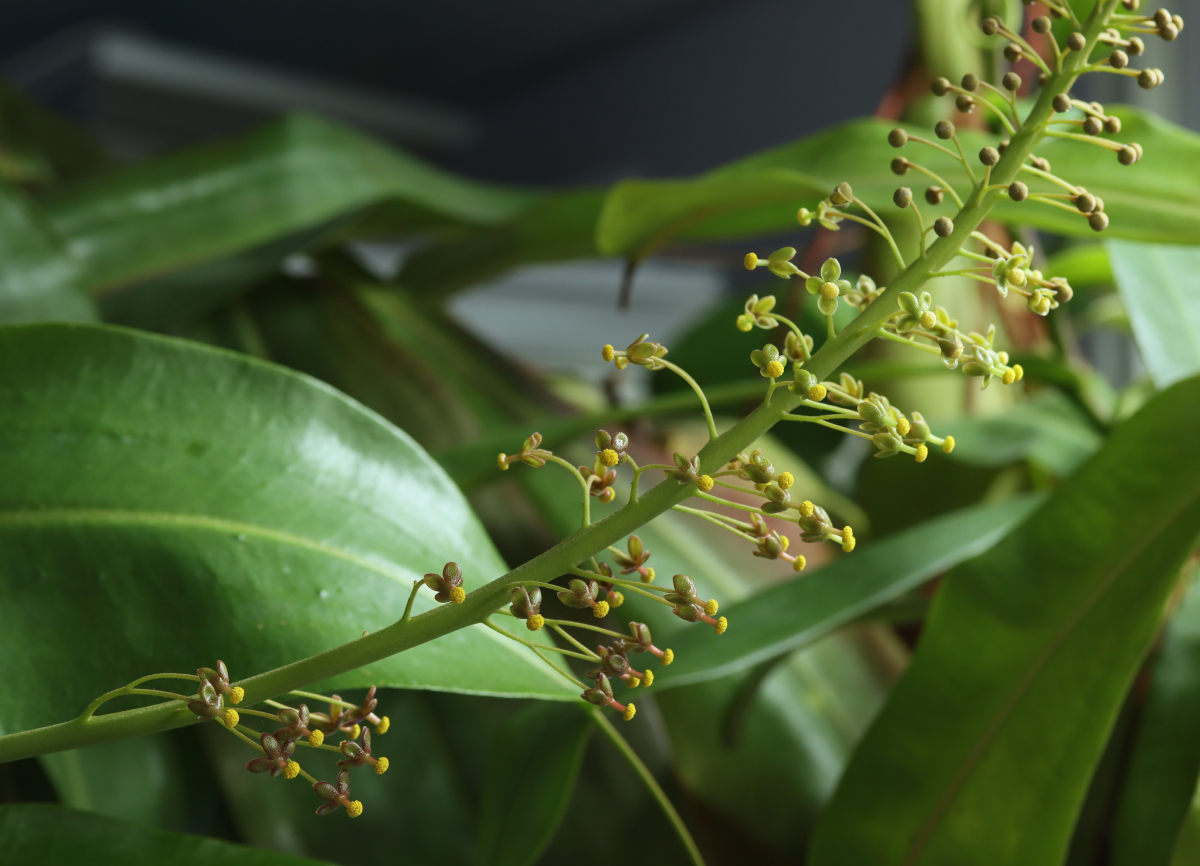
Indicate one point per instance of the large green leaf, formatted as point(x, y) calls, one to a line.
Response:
point(38, 280)
point(1164, 763)
point(984, 752)
point(759, 195)
point(168, 504)
point(788, 616)
point(33, 834)
point(1160, 286)
point(535, 762)
point(293, 175)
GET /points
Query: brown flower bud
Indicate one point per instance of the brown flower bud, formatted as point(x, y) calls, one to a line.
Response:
point(1077, 41)
point(897, 137)
point(900, 165)
point(1098, 221)
point(989, 156)
point(943, 227)
point(902, 197)
point(1011, 81)
point(944, 129)
point(934, 195)
point(1017, 191)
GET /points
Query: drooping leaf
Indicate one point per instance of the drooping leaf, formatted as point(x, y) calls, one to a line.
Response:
point(791, 615)
point(293, 175)
point(39, 281)
point(1161, 289)
point(1164, 762)
point(535, 762)
point(168, 504)
point(984, 751)
point(35, 834)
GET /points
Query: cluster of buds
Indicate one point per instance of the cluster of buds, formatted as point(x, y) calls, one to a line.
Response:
point(641, 352)
point(769, 361)
point(526, 603)
point(633, 560)
point(219, 679)
point(531, 454)
point(602, 474)
point(757, 312)
point(358, 754)
point(349, 720)
point(775, 486)
point(687, 470)
point(615, 665)
point(611, 594)
point(815, 526)
point(769, 544)
point(276, 759)
point(614, 661)
point(582, 593)
point(689, 607)
point(827, 213)
point(447, 586)
point(209, 704)
point(889, 429)
point(337, 796)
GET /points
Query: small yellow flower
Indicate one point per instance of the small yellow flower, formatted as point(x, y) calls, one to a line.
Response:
point(236, 695)
point(705, 483)
point(1009, 377)
point(600, 611)
point(750, 261)
point(630, 712)
point(292, 770)
point(609, 457)
point(668, 657)
point(710, 607)
point(922, 452)
point(817, 393)
point(457, 595)
point(316, 738)
point(786, 480)
point(355, 732)
point(1020, 371)
point(806, 508)
point(774, 369)
point(648, 680)
point(502, 460)
point(231, 718)
point(948, 445)
point(648, 577)
point(799, 564)
point(384, 724)
point(615, 599)
point(722, 624)
point(535, 622)
point(381, 766)
point(354, 808)
point(902, 426)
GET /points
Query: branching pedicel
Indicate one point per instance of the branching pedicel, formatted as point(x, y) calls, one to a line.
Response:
point(904, 312)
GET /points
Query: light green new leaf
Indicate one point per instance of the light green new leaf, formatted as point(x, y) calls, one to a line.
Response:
point(167, 504)
point(1160, 286)
point(38, 280)
point(293, 175)
point(984, 752)
point(35, 834)
point(1165, 759)
point(790, 615)
point(535, 762)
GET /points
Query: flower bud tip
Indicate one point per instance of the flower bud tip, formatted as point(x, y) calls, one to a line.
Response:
point(384, 724)
point(774, 369)
point(607, 353)
point(705, 483)
point(316, 738)
point(710, 607)
point(722, 624)
point(786, 480)
point(457, 595)
point(922, 452)
point(292, 770)
point(648, 679)
point(750, 261)
point(355, 732)
point(630, 712)
point(799, 564)
point(806, 508)
point(354, 808)
point(502, 461)
point(600, 611)
point(609, 457)
point(948, 445)
point(236, 694)
point(817, 393)
point(668, 656)
point(648, 576)
point(381, 766)
point(231, 718)
point(535, 622)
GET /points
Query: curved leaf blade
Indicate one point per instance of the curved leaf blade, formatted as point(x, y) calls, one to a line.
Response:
point(984, 752)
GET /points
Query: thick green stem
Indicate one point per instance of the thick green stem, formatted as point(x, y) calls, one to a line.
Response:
point(590, 539)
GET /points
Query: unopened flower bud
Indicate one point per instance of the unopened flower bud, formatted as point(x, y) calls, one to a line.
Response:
point(1011, 81)
point(1017, 191)
point(902, 197)
point(1118, 59)
point(943, 227)
point(1062, 102)
point(1041, 24)
point(1077, 41)
point(1098, 221)
point(944, 129)
point(940, 87)
point(897, 137)
point(934, 195)
point(989, 156)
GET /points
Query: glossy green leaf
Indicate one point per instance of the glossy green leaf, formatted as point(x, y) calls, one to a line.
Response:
point(295, 174)
point(1164, 763)
point(535, 762)
point(38, 280)
point(1160, 286)
point(1151, 200)
point(168, 504)
point(788, 616)
point(34, 834)
point(984, 752)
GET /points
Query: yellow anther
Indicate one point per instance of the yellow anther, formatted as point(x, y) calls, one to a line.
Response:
point(609, 457)
point(948, 445)
point(316, 738)
point(783, 542)
point(847, 542)
point(648, 679)
point(292, 770)
point(600, 611)
point(381, 766)
point(750, 261)
point(668, 656)
point(236, 694)
point(634, 682)
point(817, 393)
point(1020, 371)
point(502, 460)
point(847, 530)
point(774, 369)
point(710, 606)
point(457, 595)
point(705, 483)
point(615, 600)
point(922, 452)
point(535, 622)
point(231, 718)
point(785, 480)
point(384, 724)
point(607, 353)
point(355, 732)
point(648, 577)
point(354, 808)
point(799, 564)
point(722, 624)
point(630, 712)
point(902, 426)
point(806, 508)
point(1009, 377)
point(829, 291)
